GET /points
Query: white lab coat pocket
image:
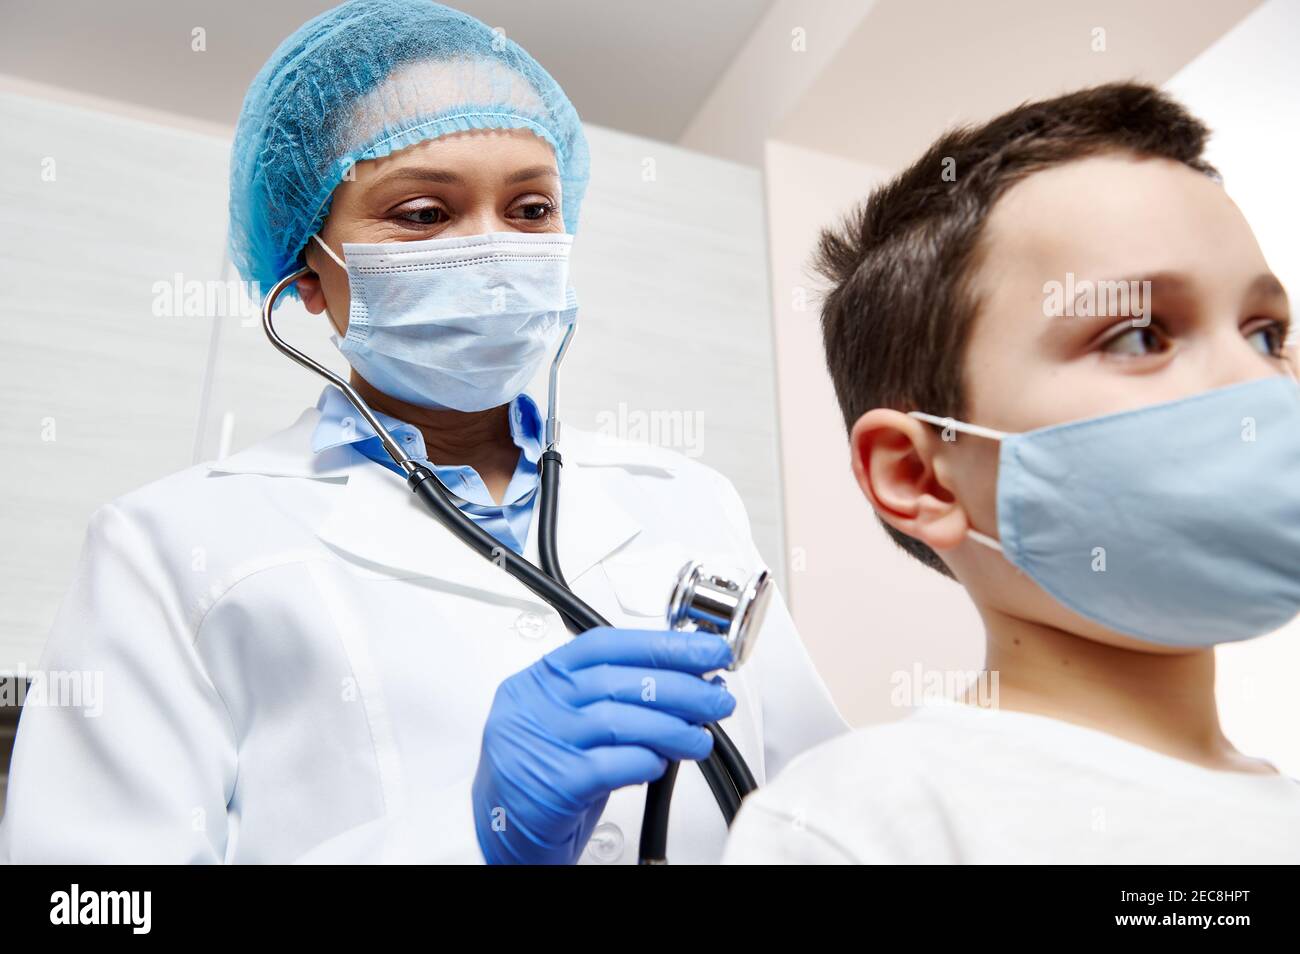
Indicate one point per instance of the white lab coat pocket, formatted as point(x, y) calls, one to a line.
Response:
point(643, 578)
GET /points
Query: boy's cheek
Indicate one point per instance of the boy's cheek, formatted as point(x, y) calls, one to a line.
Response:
point(970, 473)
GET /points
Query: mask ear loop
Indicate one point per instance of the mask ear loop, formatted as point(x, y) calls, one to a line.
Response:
point(983, 538)
point(329, 251)
point(972, 429)
point(975, 431)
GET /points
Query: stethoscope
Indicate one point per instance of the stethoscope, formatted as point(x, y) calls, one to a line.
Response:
point(700, 600)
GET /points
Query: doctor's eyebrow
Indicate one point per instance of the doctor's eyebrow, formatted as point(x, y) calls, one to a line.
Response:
point(442, 176)
point(447, 177)
point(532, 172)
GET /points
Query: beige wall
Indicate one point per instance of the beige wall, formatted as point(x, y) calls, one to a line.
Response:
point(865, 608)
point(912, 67)
point(787, 53)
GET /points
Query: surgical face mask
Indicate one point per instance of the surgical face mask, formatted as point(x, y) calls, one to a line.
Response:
point(461, 323)
point(1177, 523)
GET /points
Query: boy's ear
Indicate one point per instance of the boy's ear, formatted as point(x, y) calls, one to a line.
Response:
point(894, 464)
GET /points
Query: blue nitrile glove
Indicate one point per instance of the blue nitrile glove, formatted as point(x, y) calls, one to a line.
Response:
point(608, 709)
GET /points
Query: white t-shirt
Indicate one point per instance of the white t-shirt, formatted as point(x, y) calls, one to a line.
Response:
point(959, 784)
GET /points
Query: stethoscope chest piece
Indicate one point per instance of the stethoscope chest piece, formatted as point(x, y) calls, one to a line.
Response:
point(706, 601)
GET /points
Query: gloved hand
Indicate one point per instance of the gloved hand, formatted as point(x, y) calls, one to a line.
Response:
point(611, 708)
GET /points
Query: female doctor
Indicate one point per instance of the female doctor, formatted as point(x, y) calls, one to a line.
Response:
point(298, 662)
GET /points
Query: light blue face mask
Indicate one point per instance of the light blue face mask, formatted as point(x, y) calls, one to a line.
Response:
point(461, 323)
point(1177, 523)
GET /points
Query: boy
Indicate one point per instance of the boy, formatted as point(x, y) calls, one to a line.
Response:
point(1074, 260)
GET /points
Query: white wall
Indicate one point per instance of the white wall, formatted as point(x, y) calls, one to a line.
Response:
point(101, 396)
point(1247, 88)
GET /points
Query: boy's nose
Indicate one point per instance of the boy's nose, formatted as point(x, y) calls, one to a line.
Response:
point(1232, 359)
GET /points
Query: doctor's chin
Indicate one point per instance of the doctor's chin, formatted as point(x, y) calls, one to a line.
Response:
point(764, 432)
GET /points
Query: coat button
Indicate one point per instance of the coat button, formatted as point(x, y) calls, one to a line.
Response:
point(531, 626)
point(606, 845)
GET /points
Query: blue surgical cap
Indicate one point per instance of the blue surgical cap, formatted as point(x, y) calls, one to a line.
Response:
point(364, 80)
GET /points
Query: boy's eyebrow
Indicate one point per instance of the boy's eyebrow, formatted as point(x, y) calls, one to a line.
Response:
point(1167, 283)
point(1267, 285)
point(1170, 282)
point(1264, 286)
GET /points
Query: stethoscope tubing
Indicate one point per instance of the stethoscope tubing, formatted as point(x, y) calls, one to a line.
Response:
point(725, 771)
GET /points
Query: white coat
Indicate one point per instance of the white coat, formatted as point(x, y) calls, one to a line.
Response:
point(298, 661)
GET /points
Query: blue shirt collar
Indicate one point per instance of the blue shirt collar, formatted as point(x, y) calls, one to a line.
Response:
point(341, 424)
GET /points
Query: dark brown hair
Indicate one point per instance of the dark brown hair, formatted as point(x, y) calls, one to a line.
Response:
point(897, 318)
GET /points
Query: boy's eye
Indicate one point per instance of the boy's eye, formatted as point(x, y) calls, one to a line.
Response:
point(1136, 342)
point(1269, 339)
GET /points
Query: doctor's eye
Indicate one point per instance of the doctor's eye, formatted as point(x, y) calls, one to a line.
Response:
point(1268, 338)
point(422, 216)
point(1136, 342)
point(534, 210)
